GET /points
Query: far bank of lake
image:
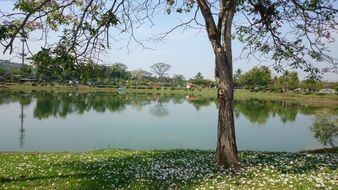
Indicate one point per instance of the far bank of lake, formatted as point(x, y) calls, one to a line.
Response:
point(328, 100)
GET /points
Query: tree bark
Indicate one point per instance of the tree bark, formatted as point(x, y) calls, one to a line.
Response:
point(220, 39)
point(226, 150)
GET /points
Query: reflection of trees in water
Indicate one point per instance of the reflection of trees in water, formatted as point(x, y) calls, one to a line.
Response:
point(177, 99)
point(138, 102)
point(62, 104)
point(198, 101)
point(258, 111)
point(159, 109)
point(23, 98)
point(325, 127)
point(286, 111)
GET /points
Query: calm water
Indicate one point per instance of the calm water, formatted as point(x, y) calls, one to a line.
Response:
point(77, 122)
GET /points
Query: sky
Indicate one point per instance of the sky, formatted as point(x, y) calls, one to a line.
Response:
point(187, 51)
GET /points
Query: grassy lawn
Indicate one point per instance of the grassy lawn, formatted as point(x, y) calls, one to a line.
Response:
point(309, 99)
point(166, 169)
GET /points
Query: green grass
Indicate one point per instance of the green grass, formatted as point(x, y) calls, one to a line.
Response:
point(330, 100)
point(166, 169)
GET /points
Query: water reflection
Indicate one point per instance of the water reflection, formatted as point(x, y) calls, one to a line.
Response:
point(325, 127)
point(60, 105)
point(199, 102)
point(22, 129)
point(24, 100)
point(258, 111)
point(159, 109)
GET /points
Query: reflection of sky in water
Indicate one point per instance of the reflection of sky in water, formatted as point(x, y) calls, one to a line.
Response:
point(154, 123)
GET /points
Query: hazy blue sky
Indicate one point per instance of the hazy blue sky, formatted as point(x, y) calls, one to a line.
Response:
point(188, 52)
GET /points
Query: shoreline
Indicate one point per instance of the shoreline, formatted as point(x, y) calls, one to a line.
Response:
point(310, 151)
point(330, 100)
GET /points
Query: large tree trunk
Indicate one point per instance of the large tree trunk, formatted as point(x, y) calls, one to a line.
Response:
point(226, 151)
point(220, 39)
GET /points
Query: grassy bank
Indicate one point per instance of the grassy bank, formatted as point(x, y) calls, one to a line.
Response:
point(86, 89)
point(169, 169)
point(304, 99)
point(309, 99)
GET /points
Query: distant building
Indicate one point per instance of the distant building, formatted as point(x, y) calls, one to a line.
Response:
point(157, 85)
point(190, 85)
point(27, 80)
point(74, 82)
point(327, 91)
point(90, 83)
point(298, 90)
point(16, 77)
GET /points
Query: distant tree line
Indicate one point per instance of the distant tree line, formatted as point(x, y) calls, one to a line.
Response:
point(261, 79)
point(58, 66)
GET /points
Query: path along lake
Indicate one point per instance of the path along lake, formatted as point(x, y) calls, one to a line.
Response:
point(44, 121)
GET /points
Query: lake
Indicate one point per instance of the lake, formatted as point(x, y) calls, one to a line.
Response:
point(44, 121)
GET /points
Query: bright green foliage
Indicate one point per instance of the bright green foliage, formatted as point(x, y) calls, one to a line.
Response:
point(56, 64)
point(257, 77)
point(89, 71)
point(44, 64)
point(66, 62)
point(203, 82)
point(236, 77)
point(5, 32)
point(178, 80)
point(288, 81)
point(119, 71)
point(293, 80)
point(26, 71)
point(311, 85)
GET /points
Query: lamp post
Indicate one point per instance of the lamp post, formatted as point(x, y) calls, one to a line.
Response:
point(23, 54)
